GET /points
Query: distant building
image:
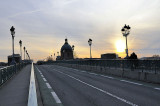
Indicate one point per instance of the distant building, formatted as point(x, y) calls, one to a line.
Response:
point(109, 56)
point(92, 58)
point(17, 58)
point(66, 51)
point(150, 58)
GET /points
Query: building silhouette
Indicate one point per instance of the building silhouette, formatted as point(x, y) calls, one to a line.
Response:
point(17, 58)
point(109, 56)
point(66, 51)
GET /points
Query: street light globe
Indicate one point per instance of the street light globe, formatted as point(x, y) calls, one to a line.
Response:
point(72, 47)
point(12, 31)
point(90, 42)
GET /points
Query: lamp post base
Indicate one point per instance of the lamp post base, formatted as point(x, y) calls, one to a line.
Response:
point(126, 57)
point(13, 62)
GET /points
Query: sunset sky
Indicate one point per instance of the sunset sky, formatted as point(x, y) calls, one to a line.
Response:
point(42, 25)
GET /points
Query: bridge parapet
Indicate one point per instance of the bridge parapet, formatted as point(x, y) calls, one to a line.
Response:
point(147, 66)
point(7, 72)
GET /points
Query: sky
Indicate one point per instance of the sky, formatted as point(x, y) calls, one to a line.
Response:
point(42, 25)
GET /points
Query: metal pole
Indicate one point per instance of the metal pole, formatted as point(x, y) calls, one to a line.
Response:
point(126, 48)
point(21, 50)
point(13, 48)
point(13, 45)
point(90, 52)
point(24, 54)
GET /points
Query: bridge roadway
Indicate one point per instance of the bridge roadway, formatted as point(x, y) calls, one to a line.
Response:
point(80, 88)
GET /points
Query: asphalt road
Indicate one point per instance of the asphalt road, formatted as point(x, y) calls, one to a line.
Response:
point(79, 88)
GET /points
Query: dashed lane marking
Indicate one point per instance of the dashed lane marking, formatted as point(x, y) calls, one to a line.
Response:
point(131, 82)
point(56, 97)
point(48, 85)
point(157, 88)
point(52, 91)
point(44, 79)
point(107, 76)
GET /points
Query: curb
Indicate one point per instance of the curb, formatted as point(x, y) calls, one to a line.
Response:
point(32, 97)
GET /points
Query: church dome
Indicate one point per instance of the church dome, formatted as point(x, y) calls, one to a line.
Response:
point(66, 46)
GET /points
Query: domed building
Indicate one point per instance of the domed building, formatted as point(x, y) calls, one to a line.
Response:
point(66, 51)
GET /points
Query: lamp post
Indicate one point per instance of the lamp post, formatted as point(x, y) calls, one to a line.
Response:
point(72, 47)
point(90, 43)
point(29, 57)
point(73, 50)
point(126, 31)
point(54, 56)
point(20, 43)
point(13, 35)
point(26, 54)
point(24, 48)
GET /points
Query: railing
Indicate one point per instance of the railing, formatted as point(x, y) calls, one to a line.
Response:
point(149, 66)
point(8, 71)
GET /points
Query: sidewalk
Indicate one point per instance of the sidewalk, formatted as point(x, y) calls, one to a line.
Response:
point(15, 91)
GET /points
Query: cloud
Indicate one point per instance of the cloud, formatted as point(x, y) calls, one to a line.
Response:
point(43, 25)
point(24, 13)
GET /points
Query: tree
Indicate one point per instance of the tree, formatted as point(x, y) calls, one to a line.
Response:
point(134, 61)
point(49, 59)
point(133, 56)
point(155, 55)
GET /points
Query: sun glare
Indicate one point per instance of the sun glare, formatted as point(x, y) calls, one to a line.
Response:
point(120, 46)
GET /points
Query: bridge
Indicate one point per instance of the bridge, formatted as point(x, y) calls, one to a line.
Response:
point(81, 83)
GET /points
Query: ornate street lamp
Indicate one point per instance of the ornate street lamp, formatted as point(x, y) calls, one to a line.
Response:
point(26, 54)
point(72, 47)
point(126, 31)
point(90, 43)
point(54, 56)
point(73, 50)
point(24, 48)
point(20, 43)
point(13, 35)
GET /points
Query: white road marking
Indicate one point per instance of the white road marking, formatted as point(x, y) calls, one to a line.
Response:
point(116, 79)
point(42, 76)
point(53, 93)
point(157, 88)
point(56, 97)
point(48, 85)
point(107, 76)
point(44, 79)
point(110, 94)
point(131, 82)
point(93, 73)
